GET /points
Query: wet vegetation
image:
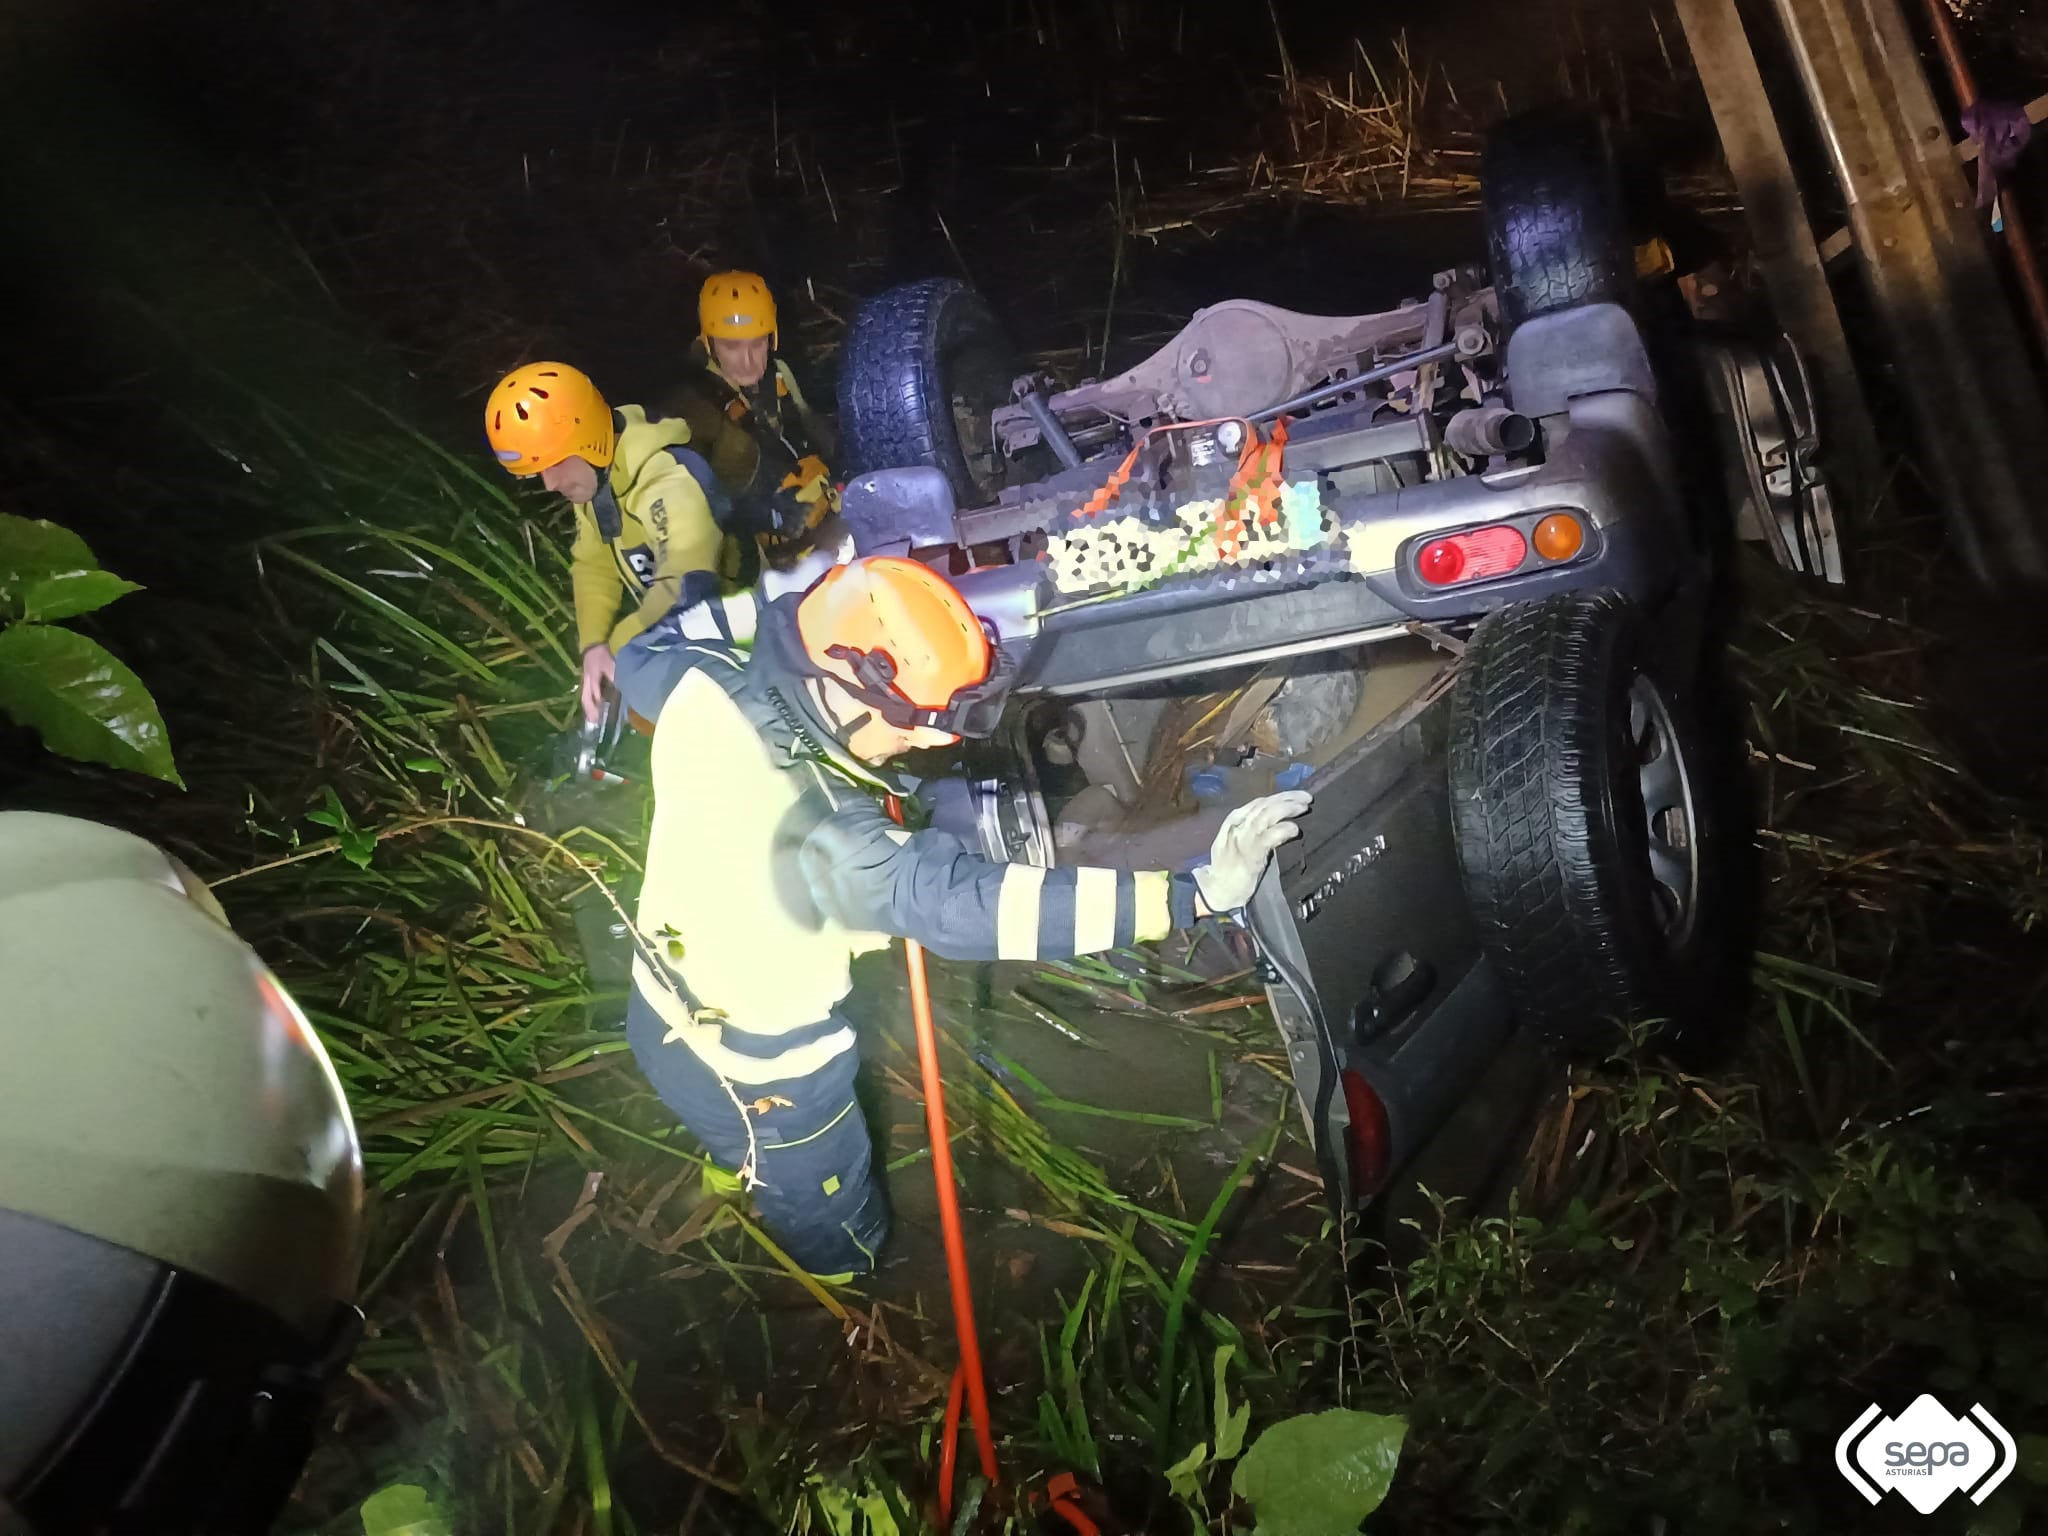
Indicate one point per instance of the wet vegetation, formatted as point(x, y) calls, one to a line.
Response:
point(359, 636)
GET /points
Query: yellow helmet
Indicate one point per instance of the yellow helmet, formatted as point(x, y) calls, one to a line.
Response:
point(737, 306)
point(543, 413)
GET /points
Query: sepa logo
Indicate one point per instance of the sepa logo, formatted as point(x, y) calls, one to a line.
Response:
point(1925, 1454)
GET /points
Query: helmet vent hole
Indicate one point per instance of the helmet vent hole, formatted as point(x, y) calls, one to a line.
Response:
point(520, 408)
point(539, 393)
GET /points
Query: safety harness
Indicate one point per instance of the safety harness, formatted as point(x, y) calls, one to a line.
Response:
point(611, 518)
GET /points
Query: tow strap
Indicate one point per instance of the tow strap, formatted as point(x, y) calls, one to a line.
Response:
point(1256, 483)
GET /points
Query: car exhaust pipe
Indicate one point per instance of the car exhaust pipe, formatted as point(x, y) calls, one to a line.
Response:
point(1485, 430)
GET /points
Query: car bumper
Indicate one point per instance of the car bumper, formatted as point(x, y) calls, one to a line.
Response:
point(1610, 472)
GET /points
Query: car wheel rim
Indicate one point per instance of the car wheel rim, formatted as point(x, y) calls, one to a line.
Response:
point(1670, 813)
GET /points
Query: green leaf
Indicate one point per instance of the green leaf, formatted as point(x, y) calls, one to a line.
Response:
point(32, 549)
point(1230, 1423)
point(1184, 1477)
point(82, 701)
point(403, 1509)
point(1319, 1474)
point(67, 595)
point(356, 845)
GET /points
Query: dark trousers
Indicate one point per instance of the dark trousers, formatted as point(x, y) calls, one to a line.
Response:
point(818, 1195)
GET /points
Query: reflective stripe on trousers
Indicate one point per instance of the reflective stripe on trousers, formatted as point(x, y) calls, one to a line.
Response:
point(818, 1195)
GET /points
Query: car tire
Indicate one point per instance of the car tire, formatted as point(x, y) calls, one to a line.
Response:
point(923, 366)
point(1585, 816)
point(1556, 227)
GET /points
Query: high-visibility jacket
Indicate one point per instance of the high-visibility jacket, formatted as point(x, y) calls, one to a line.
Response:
point(654, 524)
point(771, 864)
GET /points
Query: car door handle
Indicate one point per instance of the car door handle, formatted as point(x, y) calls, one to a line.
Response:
point(1400, 984)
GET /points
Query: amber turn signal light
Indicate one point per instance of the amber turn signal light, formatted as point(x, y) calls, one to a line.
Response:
point(1559, 537)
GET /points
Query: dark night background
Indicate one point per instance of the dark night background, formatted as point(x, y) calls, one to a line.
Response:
point(262, 262)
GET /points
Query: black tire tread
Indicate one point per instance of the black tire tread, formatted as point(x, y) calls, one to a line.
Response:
point(1533, 814)
point(895, 411)
point(1557, 233)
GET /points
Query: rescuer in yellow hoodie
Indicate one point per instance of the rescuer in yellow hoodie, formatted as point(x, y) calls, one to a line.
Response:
point(650, 515)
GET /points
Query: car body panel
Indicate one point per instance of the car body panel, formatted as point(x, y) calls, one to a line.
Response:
point(1376, 966)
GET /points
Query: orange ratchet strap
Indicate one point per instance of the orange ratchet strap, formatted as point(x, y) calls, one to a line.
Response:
point(1256, 482)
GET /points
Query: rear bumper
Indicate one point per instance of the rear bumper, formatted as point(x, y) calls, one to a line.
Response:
point(1611, 467)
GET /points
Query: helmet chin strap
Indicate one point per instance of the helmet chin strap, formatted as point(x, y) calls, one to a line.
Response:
point(843, 731)
point(794, 688)
point(874, 684)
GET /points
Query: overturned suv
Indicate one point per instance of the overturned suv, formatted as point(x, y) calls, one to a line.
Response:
point(1447, 566)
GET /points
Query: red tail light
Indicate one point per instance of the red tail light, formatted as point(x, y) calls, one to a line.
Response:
point(1474, 555)
point(1368, 1143)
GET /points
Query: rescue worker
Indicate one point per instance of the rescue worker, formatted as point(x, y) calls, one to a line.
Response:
point(749, 417)
point(649, 512)
point(771, 865)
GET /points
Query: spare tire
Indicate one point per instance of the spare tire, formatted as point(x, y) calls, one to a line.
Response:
point(923, 366)
point(1589, 828)
point(1557, 229)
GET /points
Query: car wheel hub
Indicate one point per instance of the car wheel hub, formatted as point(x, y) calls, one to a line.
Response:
point(1670, 819)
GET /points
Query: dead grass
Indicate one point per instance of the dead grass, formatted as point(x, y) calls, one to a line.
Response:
point(1394, 134)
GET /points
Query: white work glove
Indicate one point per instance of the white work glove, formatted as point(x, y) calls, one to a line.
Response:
point(599, 667)
point(1244, 844)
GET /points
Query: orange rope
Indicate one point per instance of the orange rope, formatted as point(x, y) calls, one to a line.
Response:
point(969, 1371)
point(1111, 488)
point(949, 1441)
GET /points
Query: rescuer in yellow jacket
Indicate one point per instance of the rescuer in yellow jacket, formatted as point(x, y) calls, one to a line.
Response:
point(748, 416)
point(650, 515)
point(770, 865)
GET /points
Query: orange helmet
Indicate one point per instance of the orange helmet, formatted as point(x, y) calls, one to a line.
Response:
point(543, 413)
point(737, 306)
point(898, 636)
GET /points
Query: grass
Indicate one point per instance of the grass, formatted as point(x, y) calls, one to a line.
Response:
point(1745, 1219)
point(1705, 1277)
point(1702, 1278)
point(423, 935)
point(1392, 134)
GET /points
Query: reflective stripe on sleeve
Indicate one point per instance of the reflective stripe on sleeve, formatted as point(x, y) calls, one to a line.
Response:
point(1155, 921)
point(1094, 910)
point(1017, 910)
